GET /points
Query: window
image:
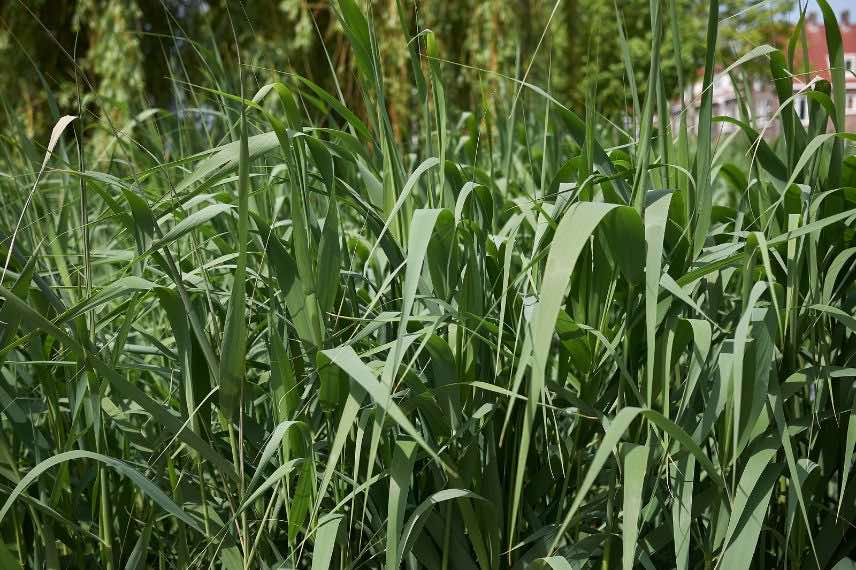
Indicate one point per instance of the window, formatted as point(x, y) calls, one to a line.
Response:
point(802, 108)
point(850, 107)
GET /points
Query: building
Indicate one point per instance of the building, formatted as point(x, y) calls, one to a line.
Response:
point(818, 57)
point(761, 100)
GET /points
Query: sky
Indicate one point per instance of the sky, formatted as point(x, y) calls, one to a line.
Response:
point(837, 5)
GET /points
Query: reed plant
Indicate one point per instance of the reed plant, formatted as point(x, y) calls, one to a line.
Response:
point(278, 336)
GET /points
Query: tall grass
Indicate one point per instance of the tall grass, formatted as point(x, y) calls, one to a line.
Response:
point(282, 339)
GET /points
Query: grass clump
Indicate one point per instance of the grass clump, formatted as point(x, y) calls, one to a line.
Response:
point(532, 340)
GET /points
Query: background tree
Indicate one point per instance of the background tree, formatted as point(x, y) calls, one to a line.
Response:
point(122, 49)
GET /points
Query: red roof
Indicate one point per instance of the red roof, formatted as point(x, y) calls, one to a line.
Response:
point(818, 54)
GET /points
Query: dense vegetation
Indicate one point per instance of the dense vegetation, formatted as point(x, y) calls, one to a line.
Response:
point(273, 335)
point(122, 56)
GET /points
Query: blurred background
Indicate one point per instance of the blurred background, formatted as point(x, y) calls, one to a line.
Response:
point(116, 58)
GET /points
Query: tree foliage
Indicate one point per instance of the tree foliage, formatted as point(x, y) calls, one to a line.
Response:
point(127, 49)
